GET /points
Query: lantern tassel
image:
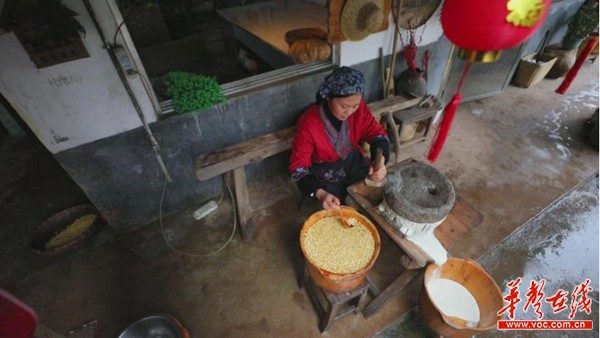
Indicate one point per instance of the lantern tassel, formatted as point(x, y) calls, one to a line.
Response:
point(447, 118)
point(575, 69)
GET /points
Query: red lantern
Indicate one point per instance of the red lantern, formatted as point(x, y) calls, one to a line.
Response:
point(482, 29)
point(486, 26)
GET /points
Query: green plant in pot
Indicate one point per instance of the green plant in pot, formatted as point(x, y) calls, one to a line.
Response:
point(584, 22)
point(192, 92)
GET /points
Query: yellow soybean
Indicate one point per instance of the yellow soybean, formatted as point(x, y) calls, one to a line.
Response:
point(71, 232)
point(338, 249)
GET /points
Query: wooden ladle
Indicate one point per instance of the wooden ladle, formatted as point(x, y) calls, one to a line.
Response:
point(344, 220)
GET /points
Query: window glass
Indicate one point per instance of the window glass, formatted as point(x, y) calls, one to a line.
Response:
point(238, 42)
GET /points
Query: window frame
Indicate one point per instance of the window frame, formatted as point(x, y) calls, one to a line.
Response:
point(269, 79)
point(230, 89)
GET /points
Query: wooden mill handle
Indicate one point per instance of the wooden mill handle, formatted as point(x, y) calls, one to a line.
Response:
point(377, 160)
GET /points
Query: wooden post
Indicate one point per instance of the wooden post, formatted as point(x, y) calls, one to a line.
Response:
point(389, 292)
point(237, 178)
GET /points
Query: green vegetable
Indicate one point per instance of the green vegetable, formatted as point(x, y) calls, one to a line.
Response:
point(584, 21)
point(193, 92)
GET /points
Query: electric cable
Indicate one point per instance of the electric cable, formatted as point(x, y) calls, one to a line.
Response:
point(132, 97)
point(122, 22)
point(195, 254)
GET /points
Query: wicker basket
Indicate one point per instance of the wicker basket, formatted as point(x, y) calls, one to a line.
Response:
point(60, 221)
point(530, 73)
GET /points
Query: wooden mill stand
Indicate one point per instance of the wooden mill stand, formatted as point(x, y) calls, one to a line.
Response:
point(459, 221)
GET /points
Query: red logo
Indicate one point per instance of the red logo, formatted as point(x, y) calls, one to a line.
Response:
point(558, 301)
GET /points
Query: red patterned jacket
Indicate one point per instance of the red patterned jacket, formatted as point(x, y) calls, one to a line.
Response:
point(311, 144)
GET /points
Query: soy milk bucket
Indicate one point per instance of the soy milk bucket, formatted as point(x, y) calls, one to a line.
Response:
point(477, 309)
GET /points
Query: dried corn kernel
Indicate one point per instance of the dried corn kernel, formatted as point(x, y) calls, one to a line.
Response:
point(338, 249)
point(71, 232)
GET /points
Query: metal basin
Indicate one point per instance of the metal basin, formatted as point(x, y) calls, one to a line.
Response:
point(155, 326)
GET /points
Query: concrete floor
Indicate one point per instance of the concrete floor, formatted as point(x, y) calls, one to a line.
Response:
point(510, 157)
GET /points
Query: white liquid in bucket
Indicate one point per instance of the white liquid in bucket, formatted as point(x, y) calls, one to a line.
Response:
point(454, 300)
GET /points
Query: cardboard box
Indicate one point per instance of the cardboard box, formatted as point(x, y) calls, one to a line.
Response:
point(530, 72)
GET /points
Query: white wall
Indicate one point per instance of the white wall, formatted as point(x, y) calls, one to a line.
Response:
point(354, 52)
point(76, 102)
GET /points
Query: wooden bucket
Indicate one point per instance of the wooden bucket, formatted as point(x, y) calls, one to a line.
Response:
point(335, 282)
point(478, 282)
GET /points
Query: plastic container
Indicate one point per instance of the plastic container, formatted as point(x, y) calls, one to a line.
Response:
point(480, 285)
point(204, 210)
point(335, 282)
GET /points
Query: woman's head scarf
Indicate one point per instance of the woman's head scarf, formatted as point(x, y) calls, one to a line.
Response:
point(344, 81)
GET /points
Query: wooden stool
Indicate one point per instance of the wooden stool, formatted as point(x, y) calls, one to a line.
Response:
point(330, 305)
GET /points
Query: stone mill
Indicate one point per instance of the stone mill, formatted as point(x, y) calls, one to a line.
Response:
point(417, 198)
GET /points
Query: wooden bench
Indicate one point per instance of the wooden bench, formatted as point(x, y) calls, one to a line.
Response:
point(231, 160)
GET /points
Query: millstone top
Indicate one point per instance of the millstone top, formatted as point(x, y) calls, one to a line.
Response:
point(419, 193)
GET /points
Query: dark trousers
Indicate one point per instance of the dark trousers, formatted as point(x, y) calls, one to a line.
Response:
point(338, 176)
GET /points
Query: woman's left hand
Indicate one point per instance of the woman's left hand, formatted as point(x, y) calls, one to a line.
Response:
point(379, 174)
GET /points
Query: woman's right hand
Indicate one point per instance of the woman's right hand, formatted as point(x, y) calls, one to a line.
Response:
point(330, 201)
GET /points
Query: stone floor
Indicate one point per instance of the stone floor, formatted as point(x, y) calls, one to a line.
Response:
point(559, 245)
point(510, 157)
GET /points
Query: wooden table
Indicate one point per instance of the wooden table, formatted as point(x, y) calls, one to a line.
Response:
point(261, 27)
point(460, 220)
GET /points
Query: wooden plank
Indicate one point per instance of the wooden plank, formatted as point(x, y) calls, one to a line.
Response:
point(391, 105)
point(414, 251)
point(467, 214)
point(373, 194)
point(414, 114)
point(238, 155)
point(448, 234)
point(460, 220)
point(391, 291)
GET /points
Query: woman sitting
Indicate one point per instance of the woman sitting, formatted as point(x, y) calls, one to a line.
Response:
point(326, 153)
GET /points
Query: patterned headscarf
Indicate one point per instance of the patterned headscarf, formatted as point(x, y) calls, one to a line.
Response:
point(344, 81)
